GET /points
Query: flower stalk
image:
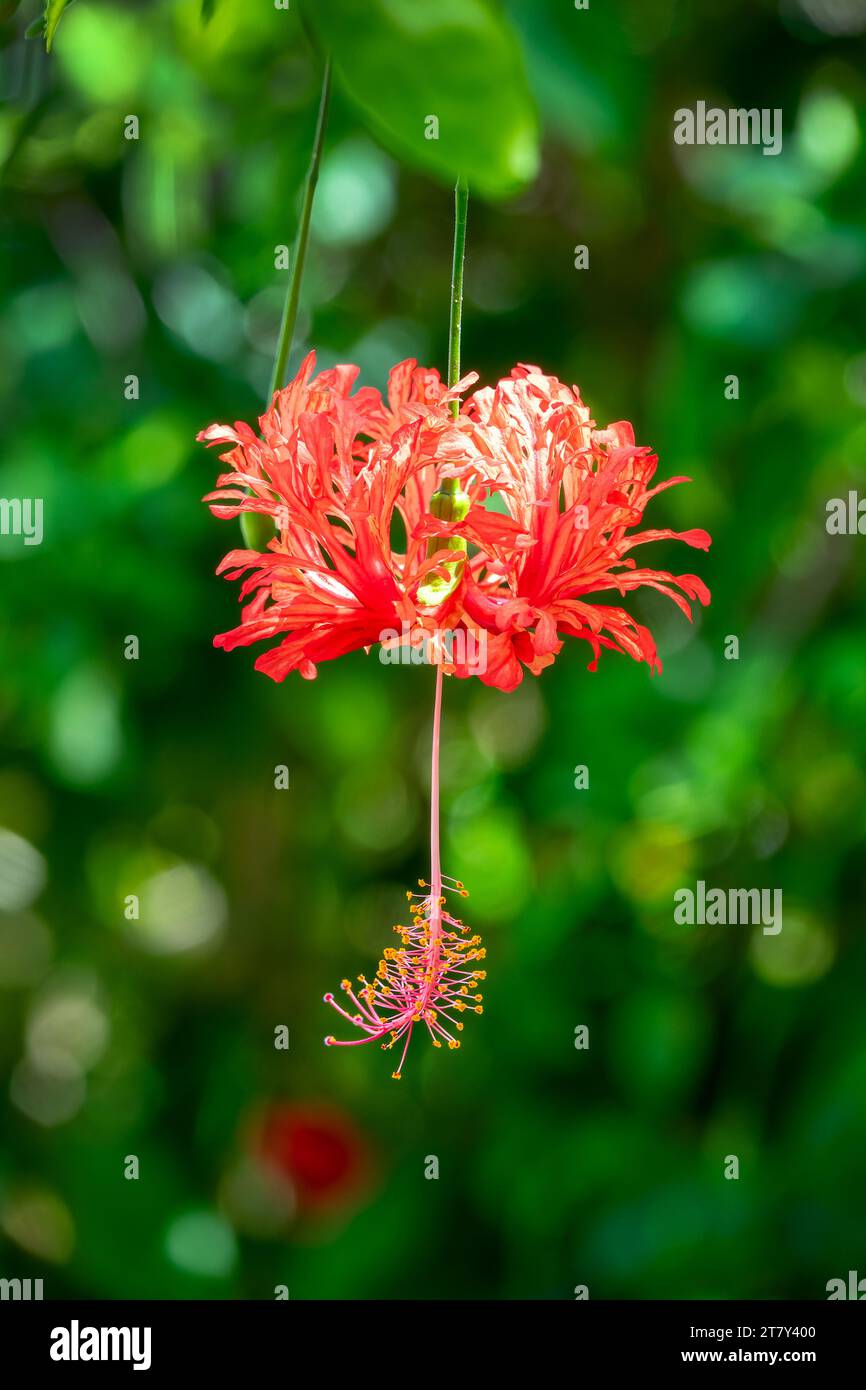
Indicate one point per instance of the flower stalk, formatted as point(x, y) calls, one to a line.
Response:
point(461, 209)
point(299, 255)
point(435, 853)
point(427, 980)
point(256, 530)
point(450, 502)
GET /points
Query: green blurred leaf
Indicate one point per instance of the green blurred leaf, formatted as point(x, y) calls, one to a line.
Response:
point(442, 86)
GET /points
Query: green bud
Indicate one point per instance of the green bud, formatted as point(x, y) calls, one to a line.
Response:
point(257, 529)
point(445, 506)
point(449, 506)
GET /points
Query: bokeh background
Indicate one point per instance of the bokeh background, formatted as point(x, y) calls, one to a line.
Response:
point(155, 1038)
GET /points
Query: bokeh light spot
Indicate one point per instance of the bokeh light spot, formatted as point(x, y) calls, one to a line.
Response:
point(355, 196)
point(182, 908)
point(202, 1243)
point(801, 953)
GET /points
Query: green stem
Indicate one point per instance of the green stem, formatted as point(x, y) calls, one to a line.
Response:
point(449, 502)
point(461, 205)
point(257, 530)
point(293, 293)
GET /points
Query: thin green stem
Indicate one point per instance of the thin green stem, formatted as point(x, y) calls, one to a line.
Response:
point(258, 530)
point(461, 206)
point(449, 501)
point(293, 292)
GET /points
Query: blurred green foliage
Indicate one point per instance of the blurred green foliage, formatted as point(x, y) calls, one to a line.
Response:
point(154, 1037)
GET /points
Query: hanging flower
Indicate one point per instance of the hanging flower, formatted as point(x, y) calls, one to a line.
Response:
point(576, 493)
point(339, 474)
point(334, 470)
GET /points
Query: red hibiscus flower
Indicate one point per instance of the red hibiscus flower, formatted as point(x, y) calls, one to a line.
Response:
point(333, 470)
point(576, 493)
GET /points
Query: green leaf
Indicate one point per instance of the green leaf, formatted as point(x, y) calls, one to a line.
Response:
point(47, 22)
point(208, 8)
point(442, 85)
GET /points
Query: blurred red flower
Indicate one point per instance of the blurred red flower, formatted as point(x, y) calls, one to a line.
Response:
point(318, 1150)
